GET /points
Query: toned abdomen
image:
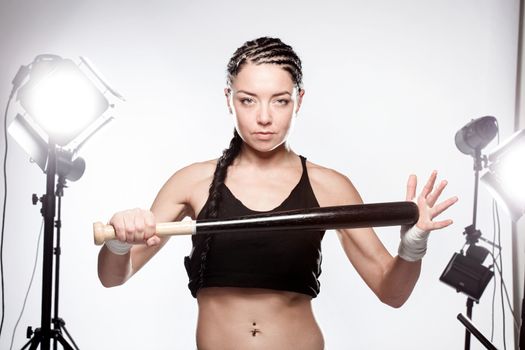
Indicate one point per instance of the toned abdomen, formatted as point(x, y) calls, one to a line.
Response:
point(246, 318)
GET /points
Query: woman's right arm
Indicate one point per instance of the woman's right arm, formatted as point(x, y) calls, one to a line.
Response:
point(137, 226)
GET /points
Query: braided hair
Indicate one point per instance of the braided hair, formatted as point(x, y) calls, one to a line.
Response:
point(263, 50)
point(266, 51)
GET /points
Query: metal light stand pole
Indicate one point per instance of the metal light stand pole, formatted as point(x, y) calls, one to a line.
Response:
point(42, 336)
point(58, 322)
point(470, 327)
point(473, 234)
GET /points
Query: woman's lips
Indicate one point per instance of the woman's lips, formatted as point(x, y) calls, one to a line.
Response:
point(263, 135)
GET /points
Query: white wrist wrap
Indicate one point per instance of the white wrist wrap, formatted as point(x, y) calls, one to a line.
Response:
point(117, 247)
point(413, 245)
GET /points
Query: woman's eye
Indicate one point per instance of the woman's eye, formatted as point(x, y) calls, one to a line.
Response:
point(246, 101)
point(282, 102)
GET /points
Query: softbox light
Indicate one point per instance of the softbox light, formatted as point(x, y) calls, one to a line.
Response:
point(60, 98)
point(505, 177)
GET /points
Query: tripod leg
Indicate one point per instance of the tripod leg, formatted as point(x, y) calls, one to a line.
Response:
point(63, 342)
point(69, 337)
point(34, 342)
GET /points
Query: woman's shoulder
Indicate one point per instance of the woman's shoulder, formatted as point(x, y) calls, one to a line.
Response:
point(195, 172)
point(186, 187)
point(202, 168)
point(330, 186)
point(322, 174)
point(189, 178)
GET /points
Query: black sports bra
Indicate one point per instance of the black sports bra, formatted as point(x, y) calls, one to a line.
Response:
point(280, 260)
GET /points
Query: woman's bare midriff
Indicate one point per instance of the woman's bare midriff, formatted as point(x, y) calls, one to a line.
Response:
point(247, 318)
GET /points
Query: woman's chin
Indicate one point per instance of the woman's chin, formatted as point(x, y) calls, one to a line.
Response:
point(265, 147)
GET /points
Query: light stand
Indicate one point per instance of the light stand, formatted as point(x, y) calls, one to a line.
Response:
point(58, 322)
point(43, 335)
point(67, 106)
point(472, 236)
point(465, 272)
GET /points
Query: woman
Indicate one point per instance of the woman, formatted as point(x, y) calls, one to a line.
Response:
point(254, 290)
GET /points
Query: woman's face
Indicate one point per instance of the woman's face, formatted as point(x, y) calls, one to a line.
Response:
point(264, 100)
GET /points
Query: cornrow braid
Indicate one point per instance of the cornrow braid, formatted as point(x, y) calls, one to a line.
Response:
point(266, 50)
point(228, 155)
point(215, 195)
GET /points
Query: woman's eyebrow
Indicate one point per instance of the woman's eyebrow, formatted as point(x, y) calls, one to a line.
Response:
point(253, 94)
point(245, 92)
point(282, 93)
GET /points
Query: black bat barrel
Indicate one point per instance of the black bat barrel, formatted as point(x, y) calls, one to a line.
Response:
point(325, 218)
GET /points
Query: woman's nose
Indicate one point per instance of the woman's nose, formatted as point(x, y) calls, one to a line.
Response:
point(264, 116)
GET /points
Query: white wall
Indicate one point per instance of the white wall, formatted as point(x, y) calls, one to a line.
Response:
point(388, 84)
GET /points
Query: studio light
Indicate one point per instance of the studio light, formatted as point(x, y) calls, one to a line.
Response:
point(465, 271)
point(476, 135)
point(60, 98)
point(505, 177)
point(64, 105)
point(505, 180)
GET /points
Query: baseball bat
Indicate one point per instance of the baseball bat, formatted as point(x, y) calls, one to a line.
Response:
point(324, 218)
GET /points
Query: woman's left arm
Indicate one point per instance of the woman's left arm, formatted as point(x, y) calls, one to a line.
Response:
point(392, 279)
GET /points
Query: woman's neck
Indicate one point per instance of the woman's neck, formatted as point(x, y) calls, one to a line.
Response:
point(251, 157)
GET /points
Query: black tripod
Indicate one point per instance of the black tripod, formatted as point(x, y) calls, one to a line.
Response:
point(465, 272)
point(42, 336)
point(476, 253)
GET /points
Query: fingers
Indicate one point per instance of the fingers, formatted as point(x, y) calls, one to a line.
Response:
point(149, 222)
point(436, 225)
point(429, 186)
point(117, 221)
point(135, 226)
point(427, 200)
point(441, 207)
point(155, 240)
point(433, 196)
point(411, 187)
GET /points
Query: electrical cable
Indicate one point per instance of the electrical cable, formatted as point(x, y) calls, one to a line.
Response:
point(493, 264)
point(3, 213)
point(30, 284)
point(516, 323)
point(494, 259)
point(502, 283)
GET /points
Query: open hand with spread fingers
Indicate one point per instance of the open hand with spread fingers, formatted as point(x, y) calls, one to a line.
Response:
point(413, 245)
point(426, 202)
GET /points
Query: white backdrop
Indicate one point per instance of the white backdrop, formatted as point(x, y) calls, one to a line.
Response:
point(387, 86)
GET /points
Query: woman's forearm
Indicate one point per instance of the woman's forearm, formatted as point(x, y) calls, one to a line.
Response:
point(398, 281)
point(113, 269)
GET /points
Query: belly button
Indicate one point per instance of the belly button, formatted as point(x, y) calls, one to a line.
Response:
point(255, 330)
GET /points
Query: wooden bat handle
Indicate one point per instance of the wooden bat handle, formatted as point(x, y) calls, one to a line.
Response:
point(102, 232)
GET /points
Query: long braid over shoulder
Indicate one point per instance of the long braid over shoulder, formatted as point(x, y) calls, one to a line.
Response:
point(215, 195)
point(228, 155)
